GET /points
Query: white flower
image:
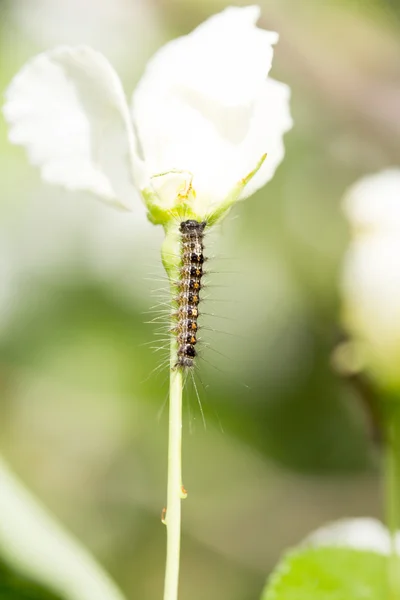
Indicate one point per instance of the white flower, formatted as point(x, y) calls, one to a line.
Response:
point(360, 534)
point(371, 279)
point(203, 117)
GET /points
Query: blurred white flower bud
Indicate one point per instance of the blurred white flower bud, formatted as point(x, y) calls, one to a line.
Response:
point(371, 278)
point(359, 534)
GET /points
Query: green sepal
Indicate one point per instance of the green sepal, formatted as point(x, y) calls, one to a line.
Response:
point(162, 216)
point(224, 207)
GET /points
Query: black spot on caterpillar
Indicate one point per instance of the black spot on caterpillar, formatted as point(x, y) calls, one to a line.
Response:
point(188, 288)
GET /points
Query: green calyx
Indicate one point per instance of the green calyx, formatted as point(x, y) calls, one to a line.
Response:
point(186, 206)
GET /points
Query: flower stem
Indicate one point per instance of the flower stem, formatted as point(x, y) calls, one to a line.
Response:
point(174, 493)
point(393, 499)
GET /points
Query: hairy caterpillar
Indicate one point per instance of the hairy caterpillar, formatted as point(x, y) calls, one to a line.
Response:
point(179, 315)
point(188, 291)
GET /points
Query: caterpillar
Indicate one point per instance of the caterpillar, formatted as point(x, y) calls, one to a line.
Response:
point(188, 291)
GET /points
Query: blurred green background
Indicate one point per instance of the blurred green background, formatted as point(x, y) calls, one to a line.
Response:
point(287, 444)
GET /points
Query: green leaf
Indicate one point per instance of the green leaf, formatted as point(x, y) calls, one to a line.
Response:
point(14, 586)
point(39, 559)
point(328, 573)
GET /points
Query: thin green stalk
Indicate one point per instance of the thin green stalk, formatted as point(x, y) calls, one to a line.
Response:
point(175, 491)
point(393, 499)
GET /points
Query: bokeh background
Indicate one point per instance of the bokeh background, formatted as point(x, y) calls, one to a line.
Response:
point(287, 443)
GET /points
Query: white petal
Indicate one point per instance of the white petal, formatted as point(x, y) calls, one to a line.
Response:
point(205, 105)
point(360, 534)
point(68, 108)
point(226, 58)
point(271, 119)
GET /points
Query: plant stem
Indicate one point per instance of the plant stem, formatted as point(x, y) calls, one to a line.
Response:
point(174, 493)
point(393, 499)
